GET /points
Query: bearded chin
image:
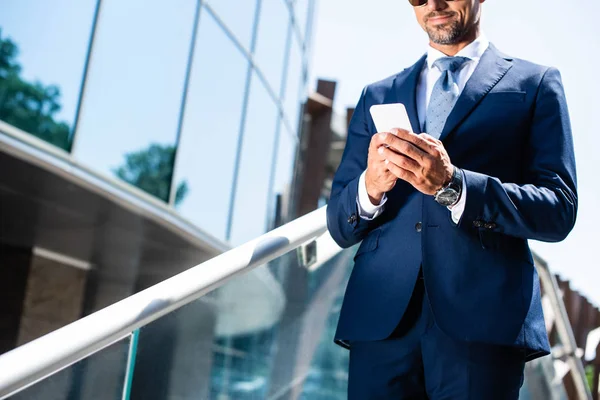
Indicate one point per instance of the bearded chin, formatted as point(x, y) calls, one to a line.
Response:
point(446, 34)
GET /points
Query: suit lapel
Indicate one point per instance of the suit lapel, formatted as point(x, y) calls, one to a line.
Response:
point(491, 68)
point(404, 90)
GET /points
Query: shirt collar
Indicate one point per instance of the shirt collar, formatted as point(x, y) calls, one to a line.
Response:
point(472, 51)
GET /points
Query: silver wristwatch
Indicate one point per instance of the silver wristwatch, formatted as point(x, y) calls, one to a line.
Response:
point(450, 194)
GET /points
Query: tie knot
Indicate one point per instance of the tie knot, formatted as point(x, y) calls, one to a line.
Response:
point(450, 63)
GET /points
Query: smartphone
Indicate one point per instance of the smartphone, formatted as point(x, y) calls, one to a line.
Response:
point(389, 116)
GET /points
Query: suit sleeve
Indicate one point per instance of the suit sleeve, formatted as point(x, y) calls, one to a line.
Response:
point(544, 208)
point(343, 220)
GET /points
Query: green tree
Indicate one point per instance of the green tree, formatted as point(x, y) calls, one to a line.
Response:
point(152, 170)
point(31, 107)
point(589, 373)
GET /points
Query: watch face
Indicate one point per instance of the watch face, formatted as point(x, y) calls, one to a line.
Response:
point(447, 197)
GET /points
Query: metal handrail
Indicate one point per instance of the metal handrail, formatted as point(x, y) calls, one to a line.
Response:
point(80, 339)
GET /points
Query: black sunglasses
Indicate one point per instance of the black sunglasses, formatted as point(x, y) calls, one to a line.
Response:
point(420, 3)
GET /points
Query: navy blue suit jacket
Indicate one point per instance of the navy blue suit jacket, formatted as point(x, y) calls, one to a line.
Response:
point(510, 133)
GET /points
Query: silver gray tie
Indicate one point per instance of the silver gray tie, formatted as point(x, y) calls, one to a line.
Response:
point(444, 95)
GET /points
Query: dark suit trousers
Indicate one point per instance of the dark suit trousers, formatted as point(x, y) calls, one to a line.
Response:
point(418, 361)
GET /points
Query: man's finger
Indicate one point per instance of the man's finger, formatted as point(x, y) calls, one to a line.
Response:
point(413, 138)
point(381, 152)
point(379, 138)
point(433, 141)
point(404, 147)
point(401, 173)
point(401, 160)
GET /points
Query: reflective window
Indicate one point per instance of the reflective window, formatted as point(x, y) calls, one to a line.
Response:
point(294, 85)
point(271, 40)
point(252, 193)
point(238, 16)
point(132, 101)
point(43, 47)
point(308, 35)
point(207, 151)
point(301, 12)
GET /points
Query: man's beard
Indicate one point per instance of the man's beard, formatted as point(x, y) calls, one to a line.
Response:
point(450, 33)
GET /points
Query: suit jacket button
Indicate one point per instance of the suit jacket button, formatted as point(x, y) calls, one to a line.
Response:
point(490, 225)
point(419, 227)
point(352, 219)
point(478, 223)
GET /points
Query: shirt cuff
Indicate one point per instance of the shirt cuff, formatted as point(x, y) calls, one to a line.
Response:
point(458, 209)
point(366, 209)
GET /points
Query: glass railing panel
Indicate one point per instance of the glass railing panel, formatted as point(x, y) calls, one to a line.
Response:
point(100, 376)
point(327, 377)
point(260, 336)
point(541, 381)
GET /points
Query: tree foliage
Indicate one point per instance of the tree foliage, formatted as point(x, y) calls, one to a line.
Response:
point(152, 170)
point(31, 107)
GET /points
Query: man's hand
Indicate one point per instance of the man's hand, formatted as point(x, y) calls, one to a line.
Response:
point(419, 160)
point(378, 178)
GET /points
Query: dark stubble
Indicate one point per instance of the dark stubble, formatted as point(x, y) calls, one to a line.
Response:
point(446, 34)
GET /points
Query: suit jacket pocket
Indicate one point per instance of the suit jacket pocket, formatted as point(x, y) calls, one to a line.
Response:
point(507, 97)
point(370, 243)
point(510, 247)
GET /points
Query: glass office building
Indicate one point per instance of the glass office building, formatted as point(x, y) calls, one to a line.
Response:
point(195, 103)
point(144, 137)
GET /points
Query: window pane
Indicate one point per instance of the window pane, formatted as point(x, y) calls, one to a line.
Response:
point(133, 96)
point(272, 35)
point(295, 85)
point(238, 15)
point(206, 158)
point(44, 46)
point(301, 12)
point(252, 194)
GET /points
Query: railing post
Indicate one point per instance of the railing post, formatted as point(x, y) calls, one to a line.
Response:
point(565, 332)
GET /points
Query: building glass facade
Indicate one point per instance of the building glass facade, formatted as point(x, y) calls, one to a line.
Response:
point(190, 103)
point(195, 106)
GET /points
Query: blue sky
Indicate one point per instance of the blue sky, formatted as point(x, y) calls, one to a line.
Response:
point(356, 44)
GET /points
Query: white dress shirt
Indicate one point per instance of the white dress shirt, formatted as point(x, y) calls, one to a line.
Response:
point(429, 76)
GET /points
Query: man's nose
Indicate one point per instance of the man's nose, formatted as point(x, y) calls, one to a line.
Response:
point(436, 5)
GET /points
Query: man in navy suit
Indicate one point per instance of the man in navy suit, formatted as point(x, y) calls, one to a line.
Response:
point(444, 299)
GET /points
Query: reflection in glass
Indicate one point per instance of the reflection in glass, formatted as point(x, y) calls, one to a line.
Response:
point(243, 365)
point(238, 16)
point(249, 218)
point(294, 86)
point(211, 125)
point(271, 40)
point(328, 373)
point(216, 346)
point(174, 355)
point(131, 104)
point(43, 48)
point(100, 376)
point(151, 170)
